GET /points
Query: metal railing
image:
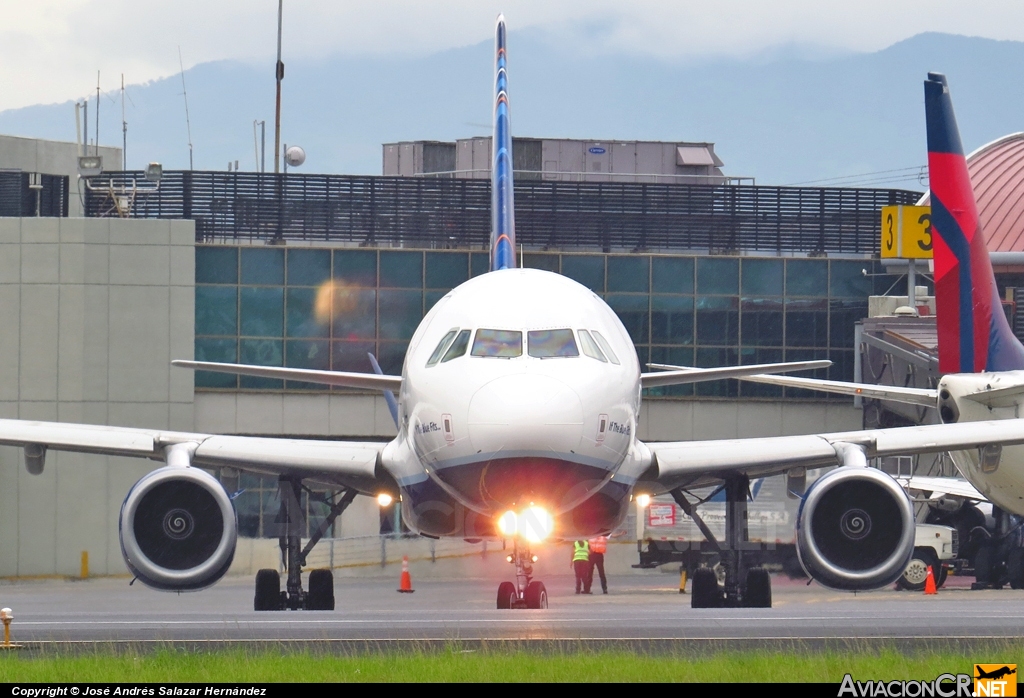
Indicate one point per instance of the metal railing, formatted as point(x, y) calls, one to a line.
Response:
point(418, 212)
point(25, 194)
point(567, 176)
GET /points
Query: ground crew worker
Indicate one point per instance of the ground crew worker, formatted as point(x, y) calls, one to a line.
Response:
point(598, 547)
point(580, 564)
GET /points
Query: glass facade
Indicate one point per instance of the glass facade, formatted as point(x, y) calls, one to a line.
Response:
point(328, 308)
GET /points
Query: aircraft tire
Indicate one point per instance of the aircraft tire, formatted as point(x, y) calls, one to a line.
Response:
point(1015, 568)
point(506, 595)
point(536, 595)
point(705, 592)
point(984, 564)
point(758, 592)
point(268, 591)
point(321, 591)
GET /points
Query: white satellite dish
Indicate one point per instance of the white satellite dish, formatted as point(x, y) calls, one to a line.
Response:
point(294, 156)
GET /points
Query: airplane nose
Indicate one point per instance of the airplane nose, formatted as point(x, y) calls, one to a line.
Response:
point(525, 413)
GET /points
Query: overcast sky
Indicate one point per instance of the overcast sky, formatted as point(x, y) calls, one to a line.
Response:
point(50, 50)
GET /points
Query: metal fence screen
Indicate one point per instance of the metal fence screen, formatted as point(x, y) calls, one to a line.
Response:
point(455, 213)
point(19, 199)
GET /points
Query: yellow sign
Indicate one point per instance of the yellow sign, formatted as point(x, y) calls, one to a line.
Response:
point(995, 680)
point(907, 232)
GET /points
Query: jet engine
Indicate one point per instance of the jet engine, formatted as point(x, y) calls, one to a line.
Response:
point(178, 529)
point(855, 529)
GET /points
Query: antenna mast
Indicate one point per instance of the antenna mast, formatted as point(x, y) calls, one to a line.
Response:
point(97, 112)
point(184, 93)
point(124, 130)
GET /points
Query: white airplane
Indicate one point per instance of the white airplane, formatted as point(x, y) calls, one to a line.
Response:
point(517, 414)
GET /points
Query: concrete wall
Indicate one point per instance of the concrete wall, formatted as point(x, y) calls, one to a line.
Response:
point(52, 157)
point(91, 311)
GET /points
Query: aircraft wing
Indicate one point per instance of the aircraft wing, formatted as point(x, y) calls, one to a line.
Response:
point(937, 486)
point(693, 463)
point(369, 381)
point(700, 375)
point(915, 396)
point(349, 463)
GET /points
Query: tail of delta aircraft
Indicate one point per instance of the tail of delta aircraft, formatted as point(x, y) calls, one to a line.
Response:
point(974, 334)
point(503, 224)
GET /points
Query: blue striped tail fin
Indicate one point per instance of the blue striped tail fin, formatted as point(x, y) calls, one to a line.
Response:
point(503, 224)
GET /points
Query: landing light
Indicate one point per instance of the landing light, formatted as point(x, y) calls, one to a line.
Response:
point(508, 523)
point(384, 499)
point(642, 500)
point(536, 524)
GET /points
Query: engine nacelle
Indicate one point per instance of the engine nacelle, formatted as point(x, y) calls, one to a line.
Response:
point(178, 529)
point(855, 529)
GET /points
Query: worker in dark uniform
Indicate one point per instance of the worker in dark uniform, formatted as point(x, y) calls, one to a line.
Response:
point(581, 565)
point(598, 547)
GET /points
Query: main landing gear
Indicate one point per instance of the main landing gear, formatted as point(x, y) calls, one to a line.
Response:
point(291, 520)
point(525, 593)
point(756, 591)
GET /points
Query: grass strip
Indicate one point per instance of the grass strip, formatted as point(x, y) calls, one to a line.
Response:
point(455, 665)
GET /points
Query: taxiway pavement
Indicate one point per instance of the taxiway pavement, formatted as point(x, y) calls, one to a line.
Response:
point(642, 608)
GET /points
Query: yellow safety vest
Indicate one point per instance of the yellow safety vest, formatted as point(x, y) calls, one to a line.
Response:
point(580, 551)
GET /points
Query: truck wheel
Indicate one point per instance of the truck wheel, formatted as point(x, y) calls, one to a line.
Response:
point(916, 574)
point(1015, 568)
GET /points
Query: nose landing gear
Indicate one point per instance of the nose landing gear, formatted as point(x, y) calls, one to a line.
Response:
point(525, 593)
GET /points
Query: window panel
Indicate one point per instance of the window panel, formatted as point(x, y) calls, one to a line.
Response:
point(458, 347)
point(400, 313)
point(718, 275)
point(354, 313)
point(263, 266)
point(547, 262)
point(481, 263)
point(441, 347)
point(430, 299)
point(807, 277)
point(629, 274)
point(308, 312)
point(672, 274)
point(216, 310)
point(223, 351)
point(590, 347)
point(749, 356)
point(247, 506)
point(807, 323)
point(761, 322)
point(634, 312)
point(312, 354)
point(352, 356)
point(261, 352)
point(391, 357)
point(447, 269)
point(672, 319)
point(844, 315)
point(262, 311)
point(549, 344)
point(714, 357)
point(848, 281)
point(216, 264)
point(308, 267)
point(503, 344)
point(718, 320)
point(399, 269)
point(673, 356)
point(585, 269)
point(842, 364)
point(763, 277)
point(359, 267)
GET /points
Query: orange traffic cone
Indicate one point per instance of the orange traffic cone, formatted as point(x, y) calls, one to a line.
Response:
point(929, 582)
point(405, 585)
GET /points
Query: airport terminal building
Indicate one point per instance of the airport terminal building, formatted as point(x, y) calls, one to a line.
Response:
point(318, 271)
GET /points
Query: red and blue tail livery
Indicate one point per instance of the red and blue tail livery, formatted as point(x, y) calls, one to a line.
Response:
point(974, 335)
point(503, 223)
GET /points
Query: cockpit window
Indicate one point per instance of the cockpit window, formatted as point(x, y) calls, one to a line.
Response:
point(504, 344)
point(547, 344)
point(458, 347)
point(441, 346)
point(590, 347)
point(606, 347)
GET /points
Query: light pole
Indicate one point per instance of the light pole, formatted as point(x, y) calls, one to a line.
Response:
point(280, 76)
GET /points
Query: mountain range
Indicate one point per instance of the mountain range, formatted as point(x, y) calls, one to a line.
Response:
point(782, 117)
